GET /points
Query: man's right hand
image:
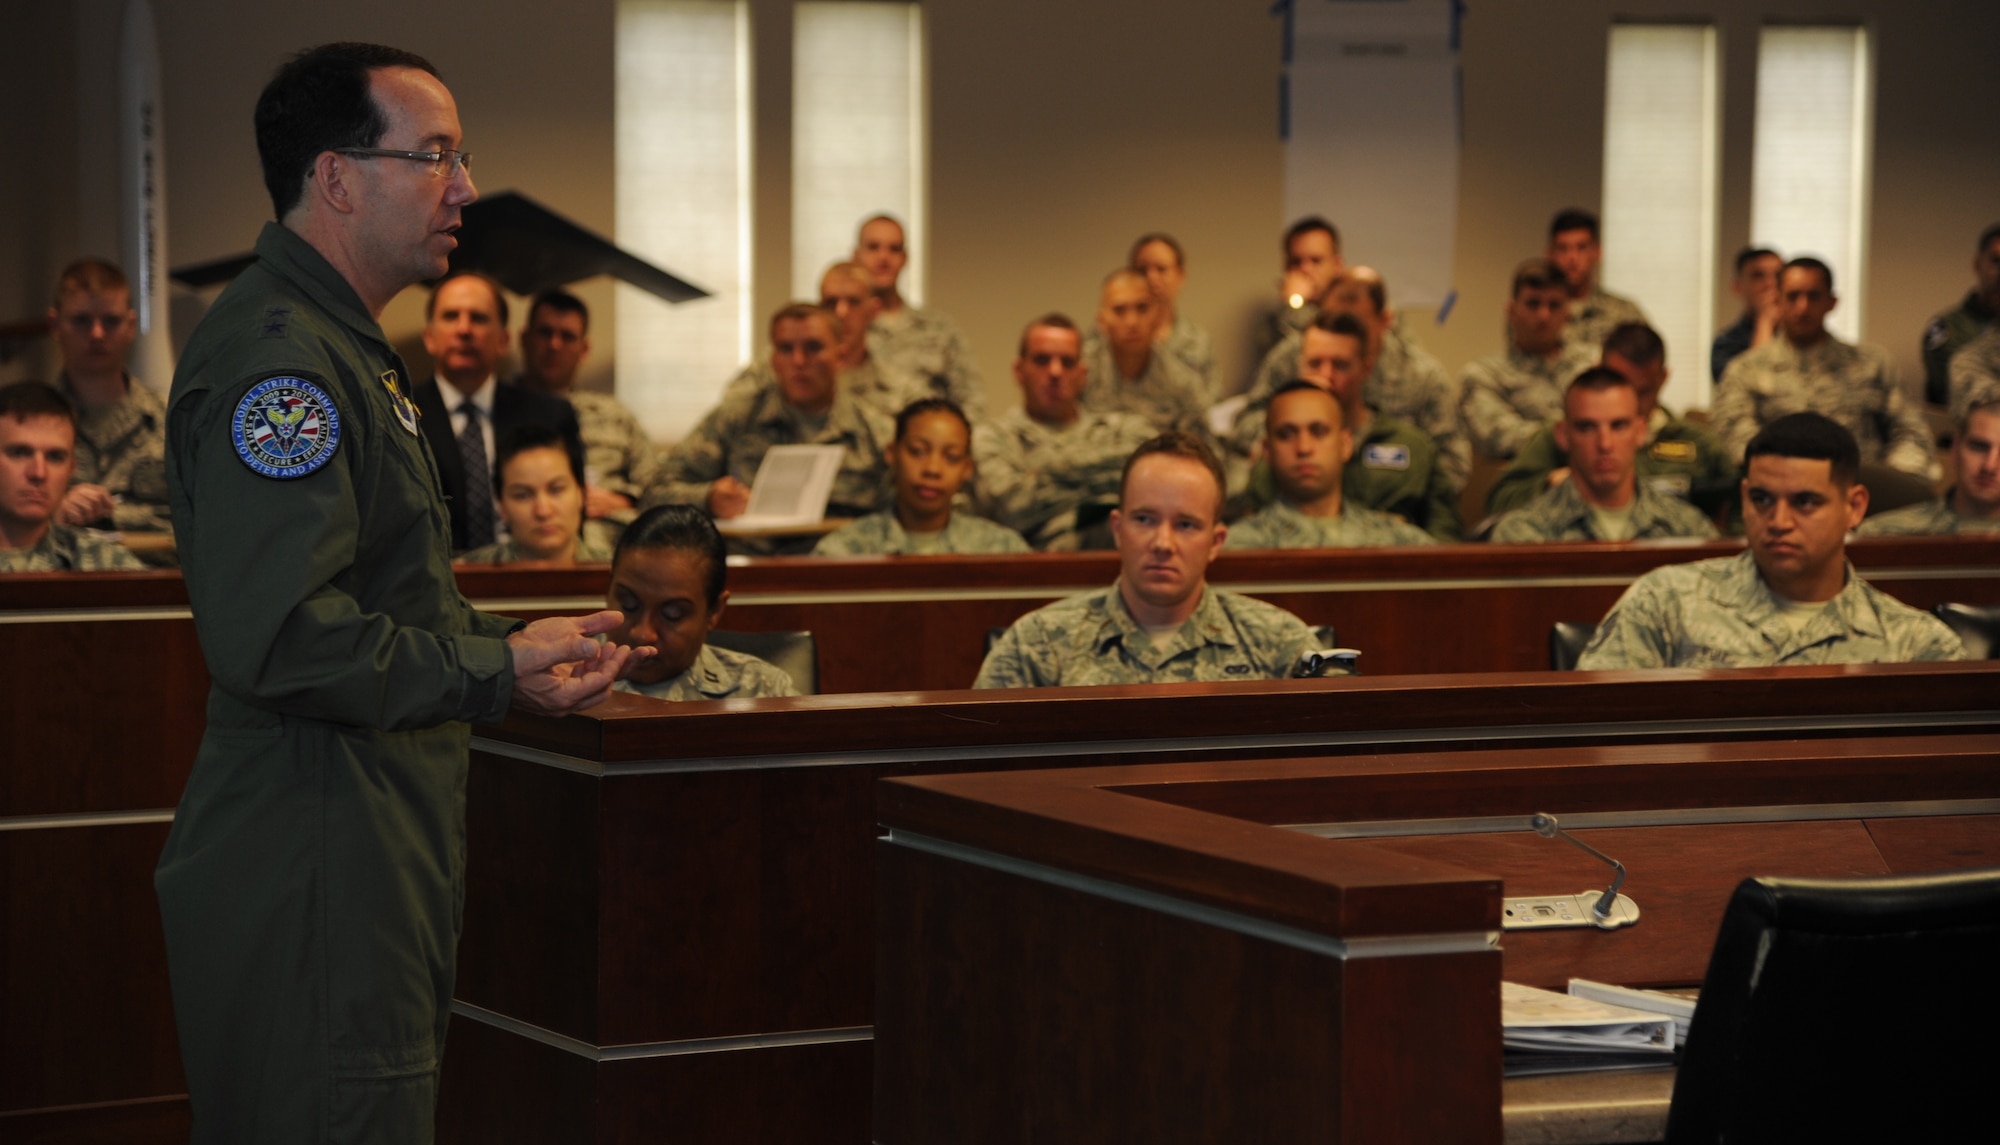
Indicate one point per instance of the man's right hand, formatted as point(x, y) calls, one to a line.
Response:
point(1297, 284)
point(727, 498)
point(559, 669)
point(85, 503)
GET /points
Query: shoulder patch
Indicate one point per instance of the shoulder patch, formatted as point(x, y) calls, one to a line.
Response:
point(1384, 455)
point(406, 410)
point(1673, 451)
point(286, 427)
point(1936, 334)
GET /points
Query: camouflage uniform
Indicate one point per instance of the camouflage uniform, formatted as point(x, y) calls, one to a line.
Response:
point(1562, 515)
point(1506, 398)
point(1680, 459)
point(1167, 394)
point(618, 456)
point(1719, 614)
point(1185, 341)
point(1928, 519)
point(123, 447)
point(1278, 322)
point(1853, 385)
point(1396, 469)
point(506, 552)
point(1033, 477)
point(718, 674)
point(1407, 384)
point(734, 437)
point(1282, 526)
point(881, 534)
point(919, 354)
point(1975, 367)
point(1593, 319)
point(1946, 334)
point(64, 549)
point(1091, 638)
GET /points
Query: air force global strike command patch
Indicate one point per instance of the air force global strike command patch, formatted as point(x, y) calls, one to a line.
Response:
point(286, 427)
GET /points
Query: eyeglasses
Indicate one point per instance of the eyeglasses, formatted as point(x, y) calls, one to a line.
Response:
point(445, 163)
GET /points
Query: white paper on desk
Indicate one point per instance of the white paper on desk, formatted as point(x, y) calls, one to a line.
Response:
point(1544, 1020)
point(1675, 1006)
point(792, 487)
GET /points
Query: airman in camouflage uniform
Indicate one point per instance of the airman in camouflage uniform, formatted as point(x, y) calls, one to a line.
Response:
point(1395, 470)
point(1281, 526)
point(1562, 515)
point(1854, 385)
point(1975, 367)
point(506, 552)
point(732, 440)
point(1593, 317)
point(1506, 398)
point(123, 447)
point(1036, 478)
point(618, 455)
point(1167, 394)
point(919, 354)
point(718, 674)
point(881, 534)
point(1679, 459)
point(1972, 505)
point(1720, 614)
point(1934, 518)
point(64, 549)
point(1407, 386)
point(1186, 343)
point(1091, 638)
point(1950, 330)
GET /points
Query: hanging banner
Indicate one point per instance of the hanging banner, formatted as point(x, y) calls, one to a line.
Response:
point(1372, 123)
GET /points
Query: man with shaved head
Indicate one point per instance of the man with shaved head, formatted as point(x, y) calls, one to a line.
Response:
point(914, 350)
point(1128, 372)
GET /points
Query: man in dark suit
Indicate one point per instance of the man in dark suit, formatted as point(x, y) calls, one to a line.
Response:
point(472, 414)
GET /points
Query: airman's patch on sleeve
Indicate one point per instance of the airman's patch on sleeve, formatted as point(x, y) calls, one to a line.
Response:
point(286, 427)
point(1681, 451)
point(1385, 455)
point(406, 410)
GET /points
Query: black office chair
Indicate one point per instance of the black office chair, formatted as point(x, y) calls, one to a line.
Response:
point(795, 652)
point(1847, 1010)
point(1890, 488)
point(1567, 640)
point(1977, 625)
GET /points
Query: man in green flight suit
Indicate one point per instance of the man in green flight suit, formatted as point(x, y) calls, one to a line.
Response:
point(311, 886)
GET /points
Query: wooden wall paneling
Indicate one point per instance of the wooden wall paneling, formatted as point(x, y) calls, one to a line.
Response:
point(499, 1088)
point(741, 1097)
point(87, 1014)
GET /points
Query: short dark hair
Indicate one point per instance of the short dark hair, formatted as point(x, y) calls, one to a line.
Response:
point(1055, 320)
point(922, 406)
point(318, 101)
point(1537, 274)
point(801, 312)
point(1811, 436)
point(1308, 225)
point(1596, 378)
point(1986, 237)
point(1635, 342)
point(499, 295)
point(1378, 291)
point(92, 276)
point(1151, 237)
point(681, 528)
point(1808, 262)
point(24, 400)
point(1750, 254)
point(1574, 219)
point(1300, 385)
point(1983, 397)
point(1344, 324)
point(533, 437)
point(1124, 272)
point(1177, 443)
point(562, 302)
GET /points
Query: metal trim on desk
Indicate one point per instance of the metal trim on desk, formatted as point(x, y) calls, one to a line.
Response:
point(637, 1050)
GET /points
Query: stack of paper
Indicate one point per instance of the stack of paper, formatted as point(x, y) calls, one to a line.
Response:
point(1679, 1007)
point(1547, 1032)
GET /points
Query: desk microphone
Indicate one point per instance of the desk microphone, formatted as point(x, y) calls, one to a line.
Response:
point(1546, 826)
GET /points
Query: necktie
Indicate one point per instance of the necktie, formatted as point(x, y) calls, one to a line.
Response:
point(478, 501)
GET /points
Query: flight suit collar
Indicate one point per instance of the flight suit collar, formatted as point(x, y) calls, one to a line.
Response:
point(286, 254)
point(1209, 624)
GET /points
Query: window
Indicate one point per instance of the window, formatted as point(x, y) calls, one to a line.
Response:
point(1660, 189)
point(1812, 147)
point(683, 201)
point(858, 133)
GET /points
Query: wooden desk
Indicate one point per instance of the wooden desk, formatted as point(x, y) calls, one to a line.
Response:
point(670, 912)
point(1143, 952)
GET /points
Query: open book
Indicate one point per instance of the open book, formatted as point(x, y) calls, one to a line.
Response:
point(1547, 1032)
point(791, 490)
